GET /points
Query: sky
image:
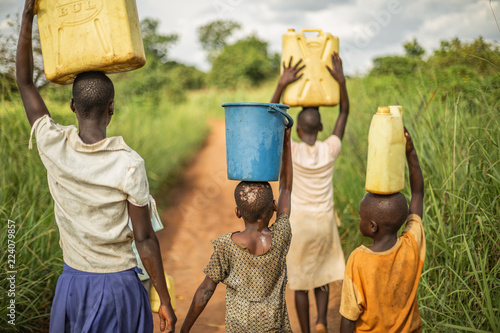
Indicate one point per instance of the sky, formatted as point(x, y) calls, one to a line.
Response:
point(366, 28)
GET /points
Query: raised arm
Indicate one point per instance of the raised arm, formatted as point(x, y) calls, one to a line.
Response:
point(200, 301)
point(338, 74)
point(286, 176)
point(416, 178)
point(289, 76)
point(149, 251)
point(33, 102)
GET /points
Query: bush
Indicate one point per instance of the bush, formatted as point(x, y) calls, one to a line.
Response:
point(395, 65)
point(244, 62)
point(188, 77)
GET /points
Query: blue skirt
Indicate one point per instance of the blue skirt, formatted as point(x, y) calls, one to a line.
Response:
point(100, 303)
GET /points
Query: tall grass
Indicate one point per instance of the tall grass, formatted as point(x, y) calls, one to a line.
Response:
point(456, 132)
point(457, 137)
point(162, 135)
point(24, 199)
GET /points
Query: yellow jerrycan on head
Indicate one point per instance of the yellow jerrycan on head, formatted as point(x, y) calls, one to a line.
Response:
point(316, 87)
point(385, 171)
point(88, 35)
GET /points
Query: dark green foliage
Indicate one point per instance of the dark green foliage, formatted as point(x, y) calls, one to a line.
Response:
point(244, 62)
point(159, 78)
point(457, 67)
point(156, 44)
point(414, 49)
point(479, 55)
point(213, 36)
point(465, 59)
point(188, 77)
point(394, 65)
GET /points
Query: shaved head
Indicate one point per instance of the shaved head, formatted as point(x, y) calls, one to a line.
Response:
point(254, 200)
point(92, 91)
point(388, 211)
point(309, 120)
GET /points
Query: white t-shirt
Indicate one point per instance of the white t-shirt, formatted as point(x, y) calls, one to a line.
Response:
point(90, 185)
point(312, 174)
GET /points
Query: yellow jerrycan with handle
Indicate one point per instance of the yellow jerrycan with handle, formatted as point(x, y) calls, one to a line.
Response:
point(316, 87)
point(385, 172)
point(88, 35)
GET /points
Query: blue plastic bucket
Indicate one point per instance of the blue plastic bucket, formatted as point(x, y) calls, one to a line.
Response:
point(254, 140)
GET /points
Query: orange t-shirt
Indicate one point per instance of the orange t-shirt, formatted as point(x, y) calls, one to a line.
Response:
point(380, 288)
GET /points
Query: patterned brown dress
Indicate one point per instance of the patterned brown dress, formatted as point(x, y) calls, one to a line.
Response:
point(255, 293)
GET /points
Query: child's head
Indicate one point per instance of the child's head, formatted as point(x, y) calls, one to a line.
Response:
point(254, 201)
point(382, 214)
point(309, 121)
point(93, 96)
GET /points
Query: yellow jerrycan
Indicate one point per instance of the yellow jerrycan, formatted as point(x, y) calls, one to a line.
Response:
point(88, 35)
point(154, 298)
point(316, 87)
point(385, 172)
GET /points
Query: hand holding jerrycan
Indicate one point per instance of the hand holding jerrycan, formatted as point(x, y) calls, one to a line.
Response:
point(316, 87)
point(254, 140)
point(385, 172)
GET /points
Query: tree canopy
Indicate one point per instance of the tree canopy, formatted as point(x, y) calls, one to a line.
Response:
point(155, 43)
point(477, 56)
point(247, 61)
point(213, 36)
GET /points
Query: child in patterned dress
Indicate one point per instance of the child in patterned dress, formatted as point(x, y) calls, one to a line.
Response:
point(252, 262)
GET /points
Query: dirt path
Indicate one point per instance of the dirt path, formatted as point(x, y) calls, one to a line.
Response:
point(201, 209)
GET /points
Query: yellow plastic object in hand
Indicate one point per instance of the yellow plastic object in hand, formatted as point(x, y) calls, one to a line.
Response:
point(154, 298)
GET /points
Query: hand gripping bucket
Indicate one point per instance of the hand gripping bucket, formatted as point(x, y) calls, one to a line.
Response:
point(254, 140)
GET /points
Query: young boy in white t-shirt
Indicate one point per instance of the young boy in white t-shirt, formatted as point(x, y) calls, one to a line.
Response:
point(96, 183)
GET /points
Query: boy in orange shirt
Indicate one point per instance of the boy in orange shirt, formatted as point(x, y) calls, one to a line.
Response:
point(380, 285)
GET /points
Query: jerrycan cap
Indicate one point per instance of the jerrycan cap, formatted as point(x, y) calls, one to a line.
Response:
point(384, 111)
point(291, 30)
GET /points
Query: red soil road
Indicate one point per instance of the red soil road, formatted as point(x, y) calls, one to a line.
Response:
point(200, 209)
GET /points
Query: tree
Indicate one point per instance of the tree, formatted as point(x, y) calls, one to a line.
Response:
point(244, 62)
point(156, 44)
point(414, 49)
point(188, 77)
point(8, 47)
point(213, 36)
point(479, 55)
point(394, 65)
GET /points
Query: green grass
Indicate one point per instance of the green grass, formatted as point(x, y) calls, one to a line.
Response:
point(457, 138)
point(161, 133)
point(456, 130)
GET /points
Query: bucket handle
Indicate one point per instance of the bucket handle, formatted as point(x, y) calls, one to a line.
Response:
point(274, 108)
